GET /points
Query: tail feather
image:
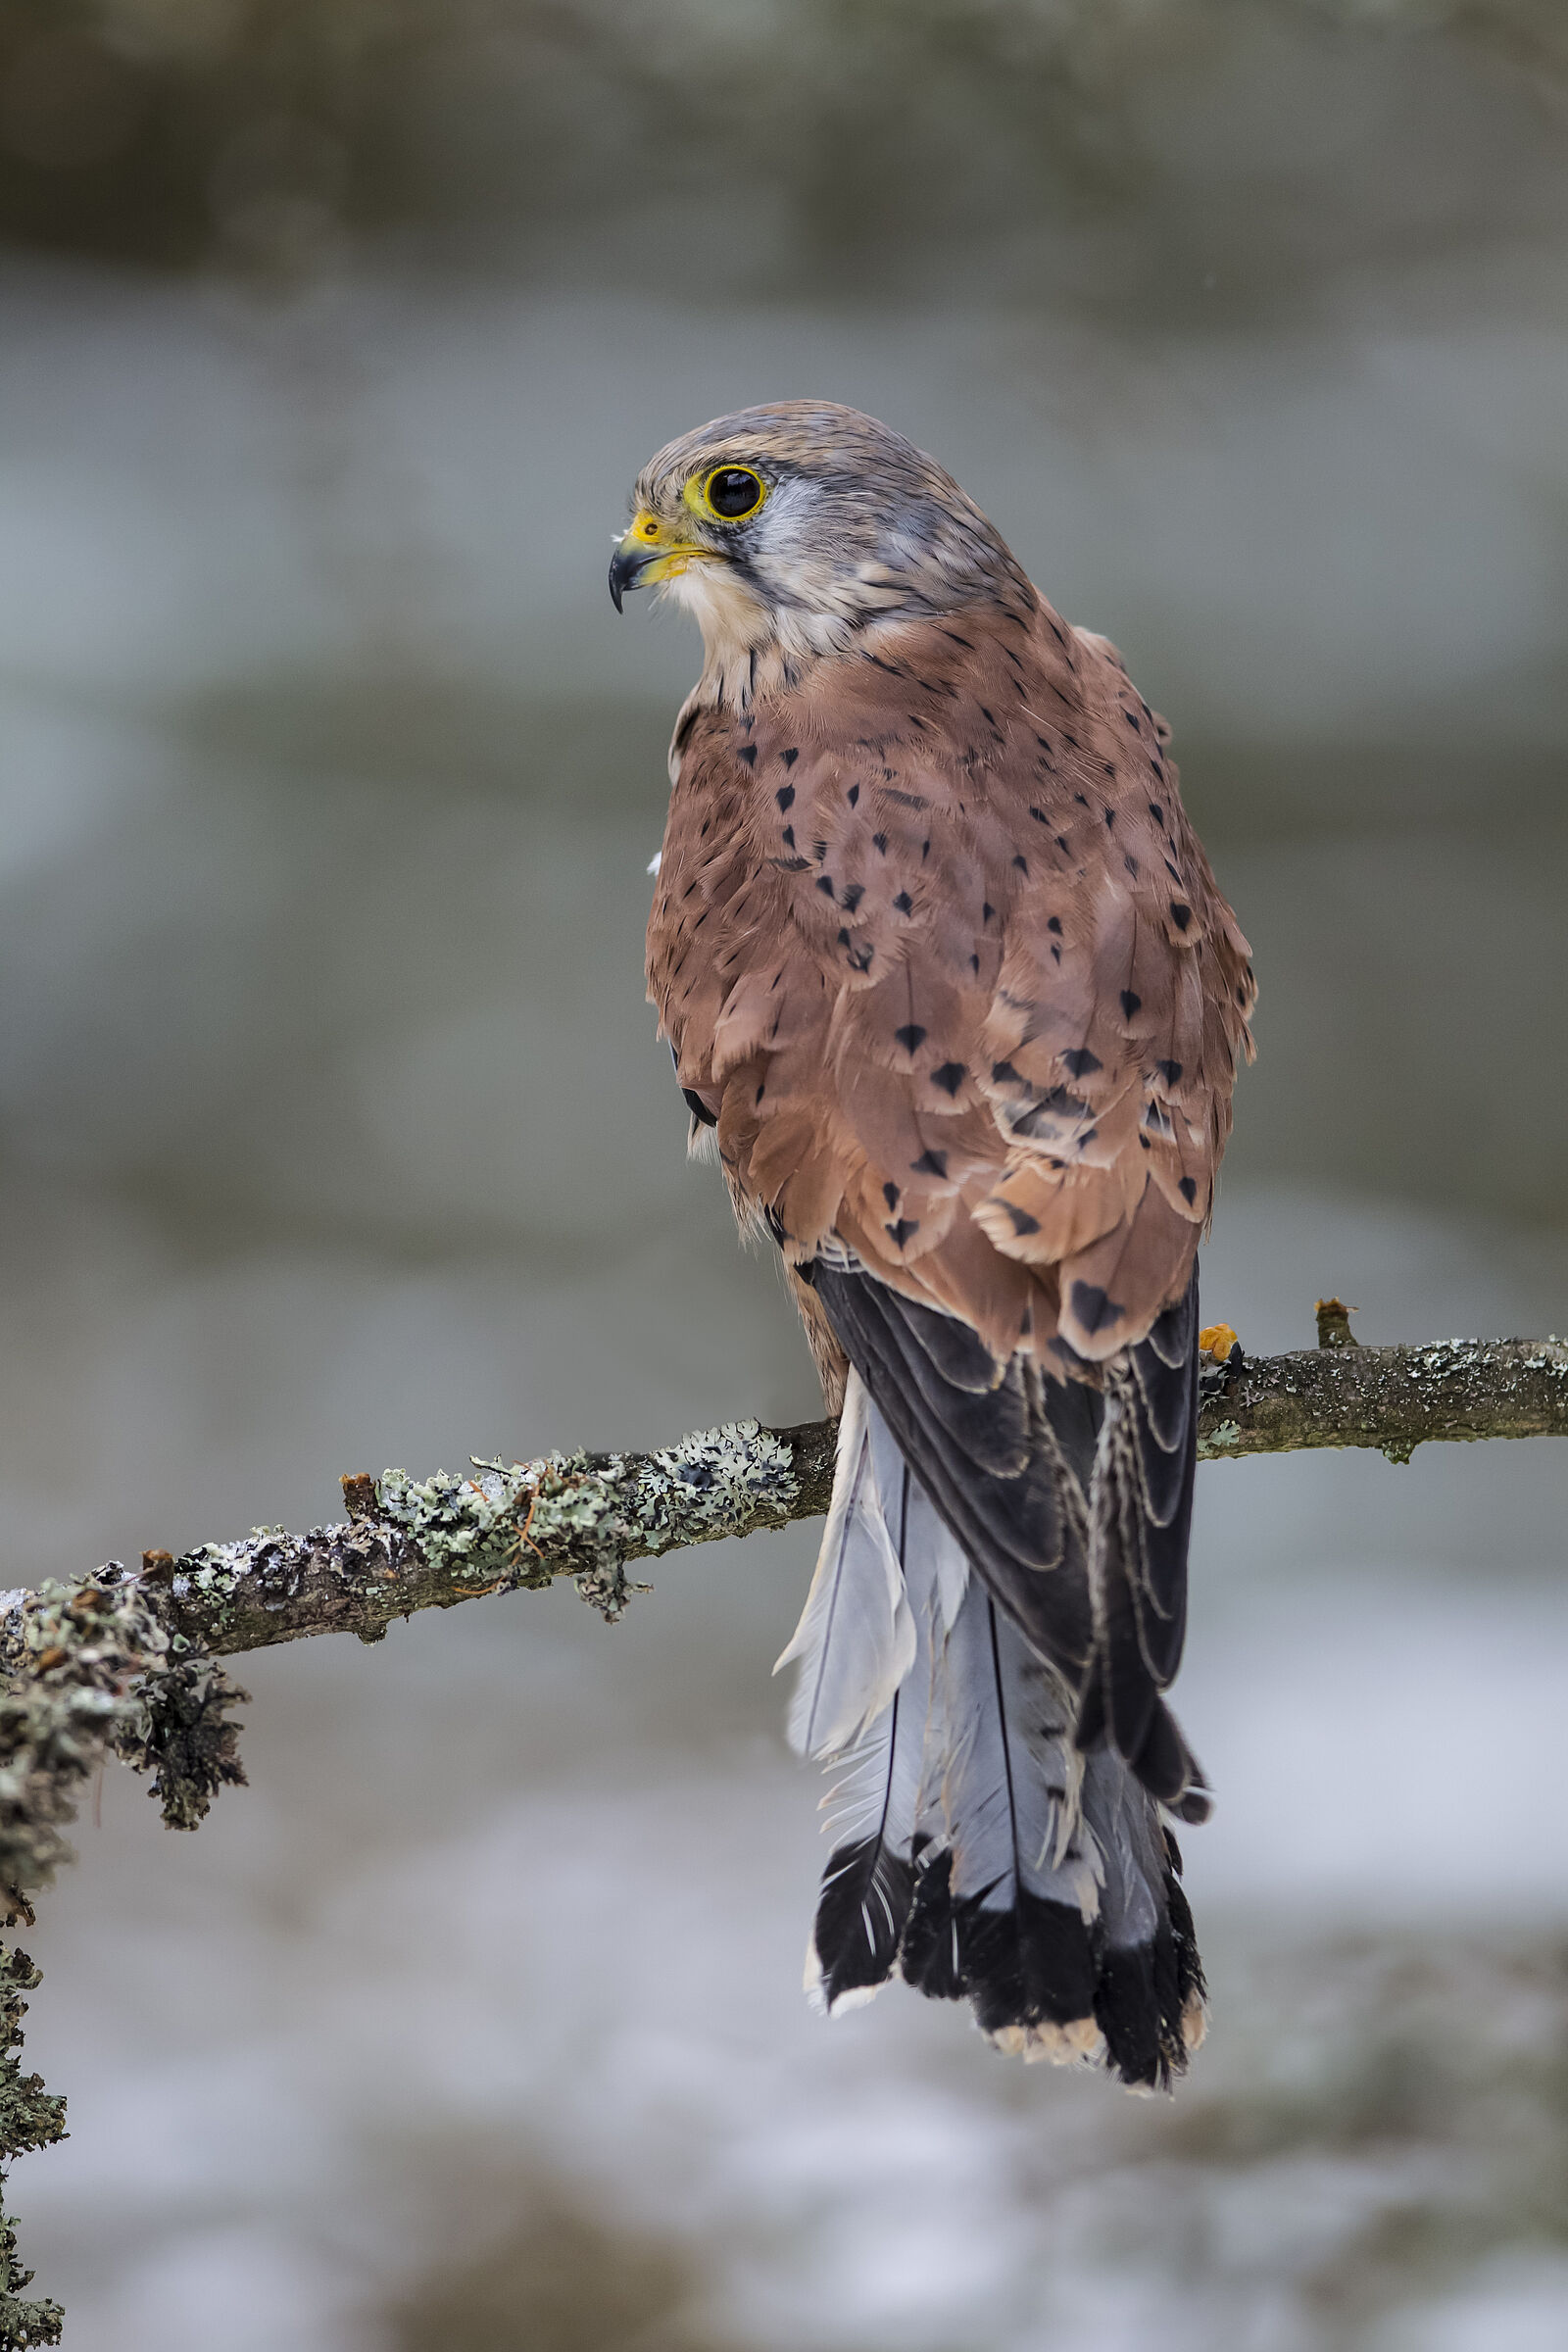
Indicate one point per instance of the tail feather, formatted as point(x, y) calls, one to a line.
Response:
point(856, 1639)
point(1149, 2000)
point(977, 1848)
point(873, 1807)
point(868, 1885)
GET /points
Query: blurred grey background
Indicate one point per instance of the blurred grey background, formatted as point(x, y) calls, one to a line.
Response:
point(333, 1133)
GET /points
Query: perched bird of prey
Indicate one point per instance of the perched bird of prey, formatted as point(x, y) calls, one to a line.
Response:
point(947, 977)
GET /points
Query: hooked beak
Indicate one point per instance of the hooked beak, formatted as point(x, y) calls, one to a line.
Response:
point(652, 550)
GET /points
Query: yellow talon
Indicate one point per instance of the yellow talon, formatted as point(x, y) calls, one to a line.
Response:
point(1217, 1340)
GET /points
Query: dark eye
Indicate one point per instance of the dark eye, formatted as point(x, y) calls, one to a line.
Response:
point(734, 491)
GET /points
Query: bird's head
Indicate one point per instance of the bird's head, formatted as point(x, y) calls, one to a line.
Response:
point(793, 527)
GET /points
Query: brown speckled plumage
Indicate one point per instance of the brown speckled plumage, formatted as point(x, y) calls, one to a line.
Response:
point(944, 966)
point(937, 947)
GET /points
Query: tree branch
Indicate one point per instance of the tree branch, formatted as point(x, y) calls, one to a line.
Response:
point(412, 1545)
point(1390, 1398)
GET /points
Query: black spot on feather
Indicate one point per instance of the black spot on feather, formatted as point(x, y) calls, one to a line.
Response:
point(950, 1077)
point(930, 1163)
point(1094, 1307)
point(911, 1037)
point(1080, 1063)
point(748, 752)
point(1181, 914)
point(785, 796)
point(1130, 1002)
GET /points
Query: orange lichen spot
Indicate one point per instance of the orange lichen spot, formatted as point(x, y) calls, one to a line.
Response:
point(1217, 1340)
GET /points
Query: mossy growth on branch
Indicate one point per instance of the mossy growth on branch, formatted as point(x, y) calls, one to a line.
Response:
point(30, 2118)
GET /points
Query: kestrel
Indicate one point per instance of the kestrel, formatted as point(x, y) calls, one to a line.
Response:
point(947, 978)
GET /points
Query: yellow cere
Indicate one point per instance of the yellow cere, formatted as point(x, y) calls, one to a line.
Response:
point(665, 553)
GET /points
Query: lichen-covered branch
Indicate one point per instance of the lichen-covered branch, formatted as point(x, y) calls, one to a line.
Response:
point(30, 2117)
point(411, 1544)
point(1390, 1398)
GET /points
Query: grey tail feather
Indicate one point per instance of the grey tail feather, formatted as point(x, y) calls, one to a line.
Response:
point(980, 1853)
point(868, 1885)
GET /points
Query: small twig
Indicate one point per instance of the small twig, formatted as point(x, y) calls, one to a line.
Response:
point(1334, 1324)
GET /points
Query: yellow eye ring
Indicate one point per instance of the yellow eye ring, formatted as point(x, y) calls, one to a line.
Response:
point(728, 494)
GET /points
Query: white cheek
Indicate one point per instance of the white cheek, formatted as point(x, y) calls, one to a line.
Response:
point(785, 528)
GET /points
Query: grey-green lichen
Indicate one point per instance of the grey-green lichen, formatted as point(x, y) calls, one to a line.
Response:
point(262, 1567)
point(181, 1732)
point(30, 2118)
point(72, 1656)
point(717, 1482)
point(506, 1526)
point(467, 1527)
point(89, 1670)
